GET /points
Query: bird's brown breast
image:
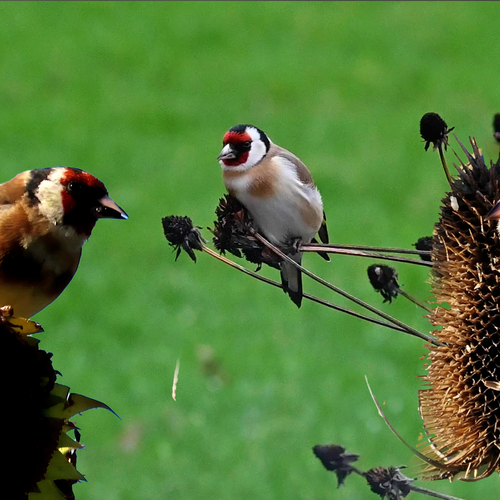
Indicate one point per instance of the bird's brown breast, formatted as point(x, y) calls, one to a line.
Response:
point(35, 264)
point(260, 181)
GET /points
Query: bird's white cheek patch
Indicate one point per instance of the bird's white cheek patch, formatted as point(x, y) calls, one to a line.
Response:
point(49, 193)
point(257, 152)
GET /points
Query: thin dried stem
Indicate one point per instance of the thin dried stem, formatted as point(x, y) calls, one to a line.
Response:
point(430, 493)
point(376, 249)
point(445, 165)
point(415, 301)
point(308, 296)
point(317, 247)
point(408, 329)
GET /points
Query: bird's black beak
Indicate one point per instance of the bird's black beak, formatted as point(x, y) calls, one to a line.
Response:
point(108, 209)
point(227, 153)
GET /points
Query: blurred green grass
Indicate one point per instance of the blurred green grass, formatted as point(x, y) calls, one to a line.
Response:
point(140, 95)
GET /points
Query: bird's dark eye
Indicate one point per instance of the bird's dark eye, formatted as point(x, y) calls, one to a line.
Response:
point(75, 187)
point(242, 147)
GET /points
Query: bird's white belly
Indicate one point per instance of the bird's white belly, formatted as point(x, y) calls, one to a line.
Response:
point(281, 218)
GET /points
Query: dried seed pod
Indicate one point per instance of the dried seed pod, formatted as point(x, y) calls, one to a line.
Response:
point(496, 127)
point(389, 482)
point(334, 458)
point(460, 405)
point(434, 129)
point(181, 234)
point(424, 243)
point(233, 233)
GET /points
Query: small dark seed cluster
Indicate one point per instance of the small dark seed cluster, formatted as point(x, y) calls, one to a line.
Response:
point(383, 279)
point(233, 232)
point(424, 243)
point(182, 235)
point(434, 129)
point(389, 482)
point(335, 459)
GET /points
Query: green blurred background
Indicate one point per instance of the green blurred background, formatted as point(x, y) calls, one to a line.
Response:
point(140, 94)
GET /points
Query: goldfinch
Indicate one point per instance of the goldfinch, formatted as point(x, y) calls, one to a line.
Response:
point(46, 215)
point(278, 191)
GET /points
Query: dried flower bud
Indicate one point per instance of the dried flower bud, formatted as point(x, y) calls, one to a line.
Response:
point(181, 234)
point(389, 483)
point(233, 232)
point(335, 459)
point(383, 279)
point(496, 127)
point(424, 243)
point(434, 129)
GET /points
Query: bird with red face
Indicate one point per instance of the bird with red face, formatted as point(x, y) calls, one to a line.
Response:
point(278, 191)
point(46, 215)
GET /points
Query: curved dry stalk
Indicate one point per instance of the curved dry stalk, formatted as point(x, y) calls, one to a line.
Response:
point(420, 455)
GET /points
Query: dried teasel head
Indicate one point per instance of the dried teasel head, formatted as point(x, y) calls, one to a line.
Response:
point(460, 404)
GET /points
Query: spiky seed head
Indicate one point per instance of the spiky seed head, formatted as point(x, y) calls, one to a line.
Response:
point(460, 404)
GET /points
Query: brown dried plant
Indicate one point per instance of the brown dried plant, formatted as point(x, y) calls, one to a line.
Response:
point(460, 404)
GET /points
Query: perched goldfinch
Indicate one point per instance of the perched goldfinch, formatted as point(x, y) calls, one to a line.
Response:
point(278, 191)
point(46, 215)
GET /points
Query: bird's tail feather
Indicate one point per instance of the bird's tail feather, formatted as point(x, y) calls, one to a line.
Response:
point(291, 279)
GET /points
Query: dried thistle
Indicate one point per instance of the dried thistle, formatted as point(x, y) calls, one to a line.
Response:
point(434, 129)
point(335, 459)
point(383, 279)
point(389, 482)
point(460, 405)
point(181, 234)
point(233, 232)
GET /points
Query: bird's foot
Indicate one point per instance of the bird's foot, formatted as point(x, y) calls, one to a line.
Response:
point(293, 246)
